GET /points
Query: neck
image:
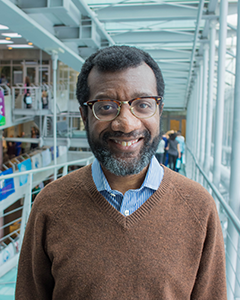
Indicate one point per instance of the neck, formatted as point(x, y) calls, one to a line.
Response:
point(125, 183)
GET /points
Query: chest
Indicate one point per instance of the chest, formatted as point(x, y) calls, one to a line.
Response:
point(98, 256)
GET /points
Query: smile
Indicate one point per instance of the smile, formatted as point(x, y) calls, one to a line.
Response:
point(126, 143)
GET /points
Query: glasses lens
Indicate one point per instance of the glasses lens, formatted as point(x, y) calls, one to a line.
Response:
point(105, 109)
point(144, 107)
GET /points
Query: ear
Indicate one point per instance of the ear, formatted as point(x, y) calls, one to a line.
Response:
point(83, 115)
point(161, 109)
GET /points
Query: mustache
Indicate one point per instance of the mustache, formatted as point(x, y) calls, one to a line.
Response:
point(132, 134)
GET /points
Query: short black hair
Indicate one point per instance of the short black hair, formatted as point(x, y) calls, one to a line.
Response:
point(115, 58)
point(173, 136)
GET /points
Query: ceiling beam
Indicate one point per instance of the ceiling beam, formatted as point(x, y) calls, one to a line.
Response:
point(169, 53)
point(87, 12)
point(141, 13)
point(199, 17)
point(158, 12)
point(160, 36)
point(65, 11)
point(39, 36)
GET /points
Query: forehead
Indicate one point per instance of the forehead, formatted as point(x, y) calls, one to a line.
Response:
point(140, 79)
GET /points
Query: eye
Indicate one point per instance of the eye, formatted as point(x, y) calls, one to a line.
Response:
point(143, 105)
point(107, 107)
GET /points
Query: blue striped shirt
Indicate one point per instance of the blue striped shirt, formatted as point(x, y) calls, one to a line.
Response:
point(132, 199)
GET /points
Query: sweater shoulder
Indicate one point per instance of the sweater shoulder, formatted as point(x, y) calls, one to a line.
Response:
point(58, 192)
point(194, 196)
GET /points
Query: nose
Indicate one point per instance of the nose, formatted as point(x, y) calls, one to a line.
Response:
point(126, 121)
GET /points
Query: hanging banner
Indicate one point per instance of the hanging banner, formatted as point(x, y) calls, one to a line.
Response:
point(7, 185)
point(2, 109)
point(62, 150)
point(52, 151)
point(36, 161)
point(46, 157)
point(26, 165)
point(7, 253)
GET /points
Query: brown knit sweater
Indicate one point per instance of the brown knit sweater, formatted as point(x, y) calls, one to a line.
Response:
point(77, 246)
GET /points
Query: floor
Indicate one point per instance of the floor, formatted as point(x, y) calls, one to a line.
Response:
point(7, 285)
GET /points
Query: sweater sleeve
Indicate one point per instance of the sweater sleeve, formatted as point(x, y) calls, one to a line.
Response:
point(211, 279)
point(34, 279)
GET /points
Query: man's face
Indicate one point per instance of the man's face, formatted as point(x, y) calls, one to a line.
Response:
point(125, 145)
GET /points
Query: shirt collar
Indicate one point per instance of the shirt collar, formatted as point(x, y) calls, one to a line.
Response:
point(152, 180)
point(99, 178)
point(154, 175)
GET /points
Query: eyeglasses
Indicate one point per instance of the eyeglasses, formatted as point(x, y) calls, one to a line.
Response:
point(108, 110)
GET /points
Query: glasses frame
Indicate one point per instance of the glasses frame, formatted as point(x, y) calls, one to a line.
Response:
point(91, 103)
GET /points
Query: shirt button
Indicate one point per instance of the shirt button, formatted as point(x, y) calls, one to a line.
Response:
point(126, 212)
point(112, 194)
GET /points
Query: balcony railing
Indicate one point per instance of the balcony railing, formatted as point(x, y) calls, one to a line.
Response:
point(230, 226)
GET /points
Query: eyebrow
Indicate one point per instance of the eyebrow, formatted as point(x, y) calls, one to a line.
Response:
point(135, 95)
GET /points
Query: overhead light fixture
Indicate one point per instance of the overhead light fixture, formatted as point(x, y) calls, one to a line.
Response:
point(9, 48)
point(5, 42)
point(20, 46)
point(30, 43)
point(8, 38)
point(2, 27)
point(12, 35)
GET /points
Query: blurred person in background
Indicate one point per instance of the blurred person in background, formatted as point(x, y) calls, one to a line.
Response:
point(24, 144)
point(11, 149)
point(44, 99)
point(165, 156)
point(27, 95)
point(18, 147)
point(173, 149)
point(34, 135)
point(181, 141)
point(160, 151)
point(3, 79)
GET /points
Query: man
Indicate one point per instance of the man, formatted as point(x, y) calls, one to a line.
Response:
point(181, 141)
point(124, 227)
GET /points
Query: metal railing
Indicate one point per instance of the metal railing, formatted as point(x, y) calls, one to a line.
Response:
point(65, 125)
point(5, 89)
point(17, 206)
point(35, 91)
point(18, 97)
point(230, 226)
point(229, 221)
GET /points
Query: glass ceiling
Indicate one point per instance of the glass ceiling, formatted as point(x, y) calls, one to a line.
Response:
point(167, 30)
point(174, 32)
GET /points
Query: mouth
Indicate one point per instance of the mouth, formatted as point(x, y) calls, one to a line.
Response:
point(126, 143)
point(121, 142)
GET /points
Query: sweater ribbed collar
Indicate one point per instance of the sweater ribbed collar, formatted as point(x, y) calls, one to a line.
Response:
point(111, 212)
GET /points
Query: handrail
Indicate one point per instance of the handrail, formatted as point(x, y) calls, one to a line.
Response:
point(13, 175)
point(6, 87)
point(230, 213)
point(10, 234)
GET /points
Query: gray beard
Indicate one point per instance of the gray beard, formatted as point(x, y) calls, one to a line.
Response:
point(119, 166)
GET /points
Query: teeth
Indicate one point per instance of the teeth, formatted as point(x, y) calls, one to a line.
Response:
point(124, 144)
